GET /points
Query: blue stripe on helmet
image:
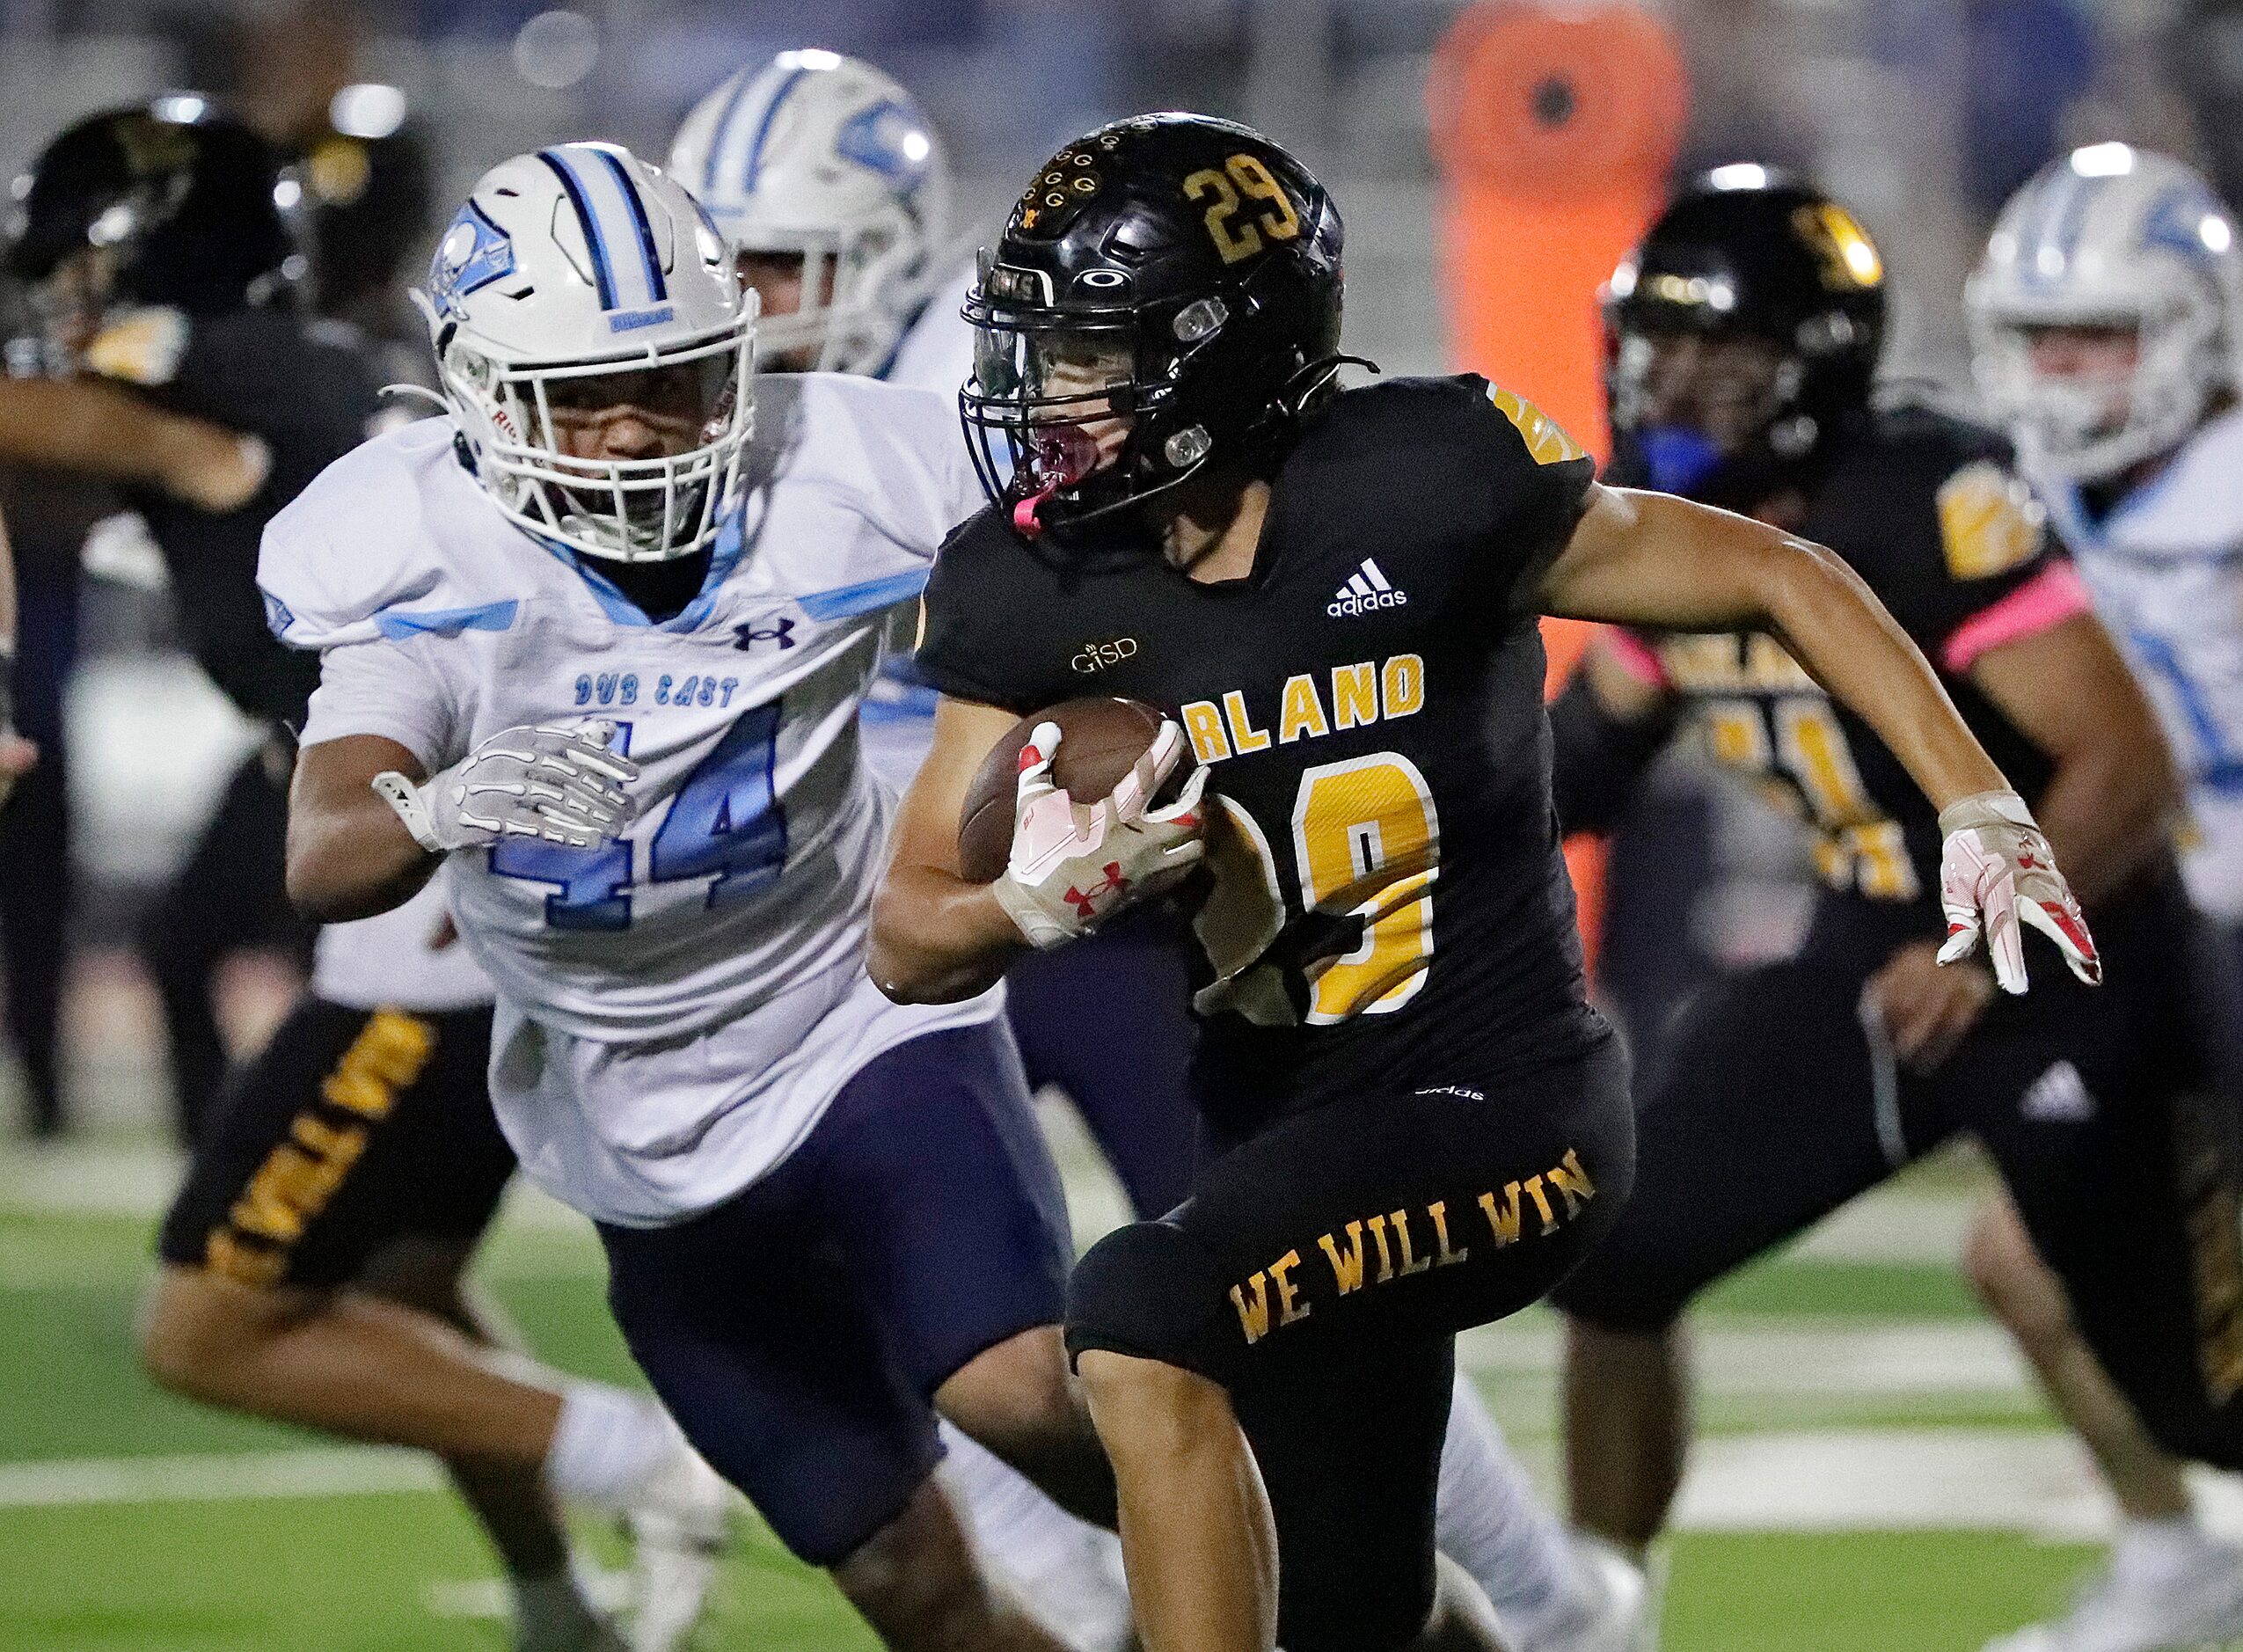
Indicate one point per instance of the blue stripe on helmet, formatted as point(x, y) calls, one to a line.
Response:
point(602, 276)
point(752, 168)
point(721, 131)
point(655, 285)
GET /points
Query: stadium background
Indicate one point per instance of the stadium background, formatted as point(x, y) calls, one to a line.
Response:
point(1876, 1468)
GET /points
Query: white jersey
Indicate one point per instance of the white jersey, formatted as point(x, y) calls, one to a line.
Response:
point(396, 959)
point(731, 916)
point(2165, 569)
point(936, 354)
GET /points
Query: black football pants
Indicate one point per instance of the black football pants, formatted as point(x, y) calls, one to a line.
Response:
point(1321, 1272)
point(2104, 1109)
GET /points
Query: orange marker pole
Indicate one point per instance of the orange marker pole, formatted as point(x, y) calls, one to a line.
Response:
point(1555, 129)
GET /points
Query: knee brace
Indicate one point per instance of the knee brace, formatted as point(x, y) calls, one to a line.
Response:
point(1152, 1291)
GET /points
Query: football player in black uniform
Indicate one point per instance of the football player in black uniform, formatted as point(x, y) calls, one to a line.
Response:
point(313, 1259)
point(1746, 330)
point(1424, 1126)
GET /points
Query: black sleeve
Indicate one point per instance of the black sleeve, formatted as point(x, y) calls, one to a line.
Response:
point(1942, 529)
point(1596, 759)
point(1535, 482)
point(970, 627)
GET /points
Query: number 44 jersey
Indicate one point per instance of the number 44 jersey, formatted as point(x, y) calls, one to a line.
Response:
point(741, 888)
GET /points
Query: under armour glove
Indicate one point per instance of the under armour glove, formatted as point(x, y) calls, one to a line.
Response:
point(554, 782)
point(1075, 865)
point(1996, 869)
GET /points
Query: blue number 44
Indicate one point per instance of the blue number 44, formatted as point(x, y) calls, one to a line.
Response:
point(725, 822)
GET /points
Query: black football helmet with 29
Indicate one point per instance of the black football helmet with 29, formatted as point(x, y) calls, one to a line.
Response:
point(1175, 271)
point(1742, 253)
point(168, 204)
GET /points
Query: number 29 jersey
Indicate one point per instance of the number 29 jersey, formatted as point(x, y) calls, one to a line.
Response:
point(743, 882)
point(1387, 907)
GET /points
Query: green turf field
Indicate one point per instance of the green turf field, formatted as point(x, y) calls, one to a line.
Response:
point(130, 1522)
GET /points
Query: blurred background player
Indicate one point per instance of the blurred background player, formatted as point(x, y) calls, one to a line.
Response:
point(1746, 328)
point(834, 189)
point(159, 251)
point(2107, 320)
point(61, 441)
point(314, 1255)
point(826, 1219)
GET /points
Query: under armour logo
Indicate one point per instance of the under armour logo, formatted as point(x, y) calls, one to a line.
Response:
point(780, 630)
point(1086, 900)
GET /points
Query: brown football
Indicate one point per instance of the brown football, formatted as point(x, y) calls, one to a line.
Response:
point(1100, 737)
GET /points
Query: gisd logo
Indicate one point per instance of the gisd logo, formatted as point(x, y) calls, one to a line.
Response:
point(1096, 656)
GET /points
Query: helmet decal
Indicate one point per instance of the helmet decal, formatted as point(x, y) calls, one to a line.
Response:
point(473, 254)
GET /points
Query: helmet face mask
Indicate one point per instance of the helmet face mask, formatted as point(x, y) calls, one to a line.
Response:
point(1128, 334)
point(605, 410)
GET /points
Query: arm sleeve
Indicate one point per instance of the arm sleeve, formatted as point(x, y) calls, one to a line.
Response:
point(387, 689)
point(1596, 759)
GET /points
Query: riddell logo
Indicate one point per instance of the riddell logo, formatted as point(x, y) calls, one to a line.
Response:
point(1367, 588)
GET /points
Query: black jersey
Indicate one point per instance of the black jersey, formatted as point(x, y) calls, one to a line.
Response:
point(1388, 906)
point(308, 388)
point(1926, 509)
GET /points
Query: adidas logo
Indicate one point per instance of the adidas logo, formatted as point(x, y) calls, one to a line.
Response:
point(2058, 1096)
point(1367, 588)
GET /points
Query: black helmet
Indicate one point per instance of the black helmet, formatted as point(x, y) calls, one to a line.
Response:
point(1198, 254)
point(1745, 251)
point(194, 206)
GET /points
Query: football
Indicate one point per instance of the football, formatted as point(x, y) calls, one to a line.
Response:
point(1100, 737)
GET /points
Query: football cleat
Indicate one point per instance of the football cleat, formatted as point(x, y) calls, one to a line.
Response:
point(2145, 1610)
point(681, 1525)
point(1613, 1614)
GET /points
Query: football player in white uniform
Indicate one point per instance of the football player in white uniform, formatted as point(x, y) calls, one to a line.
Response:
point(2107, 318)
point(312, 1258)
point(834, 189)
point(598, 648)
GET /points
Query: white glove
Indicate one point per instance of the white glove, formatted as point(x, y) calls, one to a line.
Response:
point(553, 782)
point(1075, 865)
point(1995, 868)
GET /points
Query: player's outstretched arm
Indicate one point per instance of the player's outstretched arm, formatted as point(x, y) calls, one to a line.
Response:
point(936, 938)
point(1649, 559)
point(90, 428)
point(349, 854)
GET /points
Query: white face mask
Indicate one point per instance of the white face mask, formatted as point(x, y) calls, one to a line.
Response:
point(2090, 421)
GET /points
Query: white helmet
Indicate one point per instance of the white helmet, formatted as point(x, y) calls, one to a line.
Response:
point(823, 157)
point(2119, 237)
point(576, 280)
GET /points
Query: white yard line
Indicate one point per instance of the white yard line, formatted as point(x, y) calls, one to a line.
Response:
point(1791, 1355)
point(347, 1470)
point(1857, 1480)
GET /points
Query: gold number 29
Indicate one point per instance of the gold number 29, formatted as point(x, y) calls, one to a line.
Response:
point(1243, 174)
